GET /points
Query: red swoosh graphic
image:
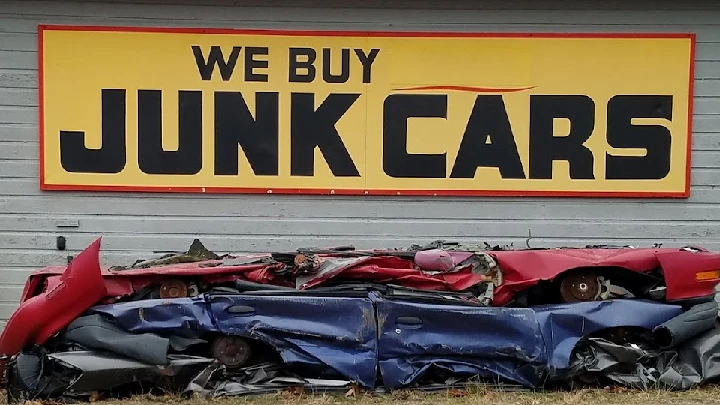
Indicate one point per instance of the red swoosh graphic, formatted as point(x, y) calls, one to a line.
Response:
point(468, 89)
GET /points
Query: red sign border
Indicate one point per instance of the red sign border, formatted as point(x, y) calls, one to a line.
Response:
point(400, 34)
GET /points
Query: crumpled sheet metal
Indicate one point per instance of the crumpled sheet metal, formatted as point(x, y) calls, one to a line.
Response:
point(127, 282)
point(99, 371)
point(96, 333)
point(335, 332)
point(394, 270)
point(257, 379)
point(562, 326)
point(671, 360)
point(518, 270)
point(314, 332)
point(377, 268)
point(524, 268)
point(522, 345)
point(38, 375)
point(691, 323)
point(693, 363)
point(186, 317)
point(463, 340)
point(697, 362)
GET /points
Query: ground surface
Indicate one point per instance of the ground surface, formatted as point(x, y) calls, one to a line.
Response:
point(475, 397)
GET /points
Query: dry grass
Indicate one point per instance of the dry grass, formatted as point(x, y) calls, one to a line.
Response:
point(478, 396)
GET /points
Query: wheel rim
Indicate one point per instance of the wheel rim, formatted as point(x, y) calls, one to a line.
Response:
point(580, 286)
point(173, 289)
point(231, 351)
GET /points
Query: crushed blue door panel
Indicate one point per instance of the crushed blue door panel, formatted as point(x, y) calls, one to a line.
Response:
point(356, 336)
point(335, 332)
point(485, 341)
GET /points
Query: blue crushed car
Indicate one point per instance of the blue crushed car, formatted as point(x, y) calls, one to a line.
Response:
point(377, 337)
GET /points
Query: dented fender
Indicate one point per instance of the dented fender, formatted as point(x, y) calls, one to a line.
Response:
point(40, 317)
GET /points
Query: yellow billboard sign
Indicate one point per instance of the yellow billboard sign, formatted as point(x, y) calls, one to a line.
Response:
point(202, 110)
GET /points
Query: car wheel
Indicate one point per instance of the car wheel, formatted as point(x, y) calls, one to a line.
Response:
point(580, 286)
point(231, 351)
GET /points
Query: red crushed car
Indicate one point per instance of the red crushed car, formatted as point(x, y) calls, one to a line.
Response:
point(496, 277)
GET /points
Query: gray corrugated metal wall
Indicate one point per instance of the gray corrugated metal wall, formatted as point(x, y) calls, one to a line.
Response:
point(135, 224)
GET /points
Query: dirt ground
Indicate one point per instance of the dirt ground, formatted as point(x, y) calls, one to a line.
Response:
point(475, 397)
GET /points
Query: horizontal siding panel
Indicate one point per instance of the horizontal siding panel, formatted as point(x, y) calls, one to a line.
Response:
point(706, 159)
point(416, 227)
point(705, 141)
point(707, 69)
point(18, 60)
point(6, 309)
point(19, 132)
point(18, 115)
point(18, 97)
point(10, 293)
point(706, 88)
point(18, 79)
point(392, 11)
point(19, 41)
point(705, 123)
point(10, 150)
point(544, 234)
point(449, 4)
point(455, 4)
point(707, 51)
point(705, 177)
point(22, 169)
point(701, 105)
point(15, 278)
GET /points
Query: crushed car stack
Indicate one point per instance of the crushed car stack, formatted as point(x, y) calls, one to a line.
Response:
point(424, 317)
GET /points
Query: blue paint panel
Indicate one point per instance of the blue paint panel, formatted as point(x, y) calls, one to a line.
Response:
point(335, 331)
point(189, 317)
point(483, 341)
